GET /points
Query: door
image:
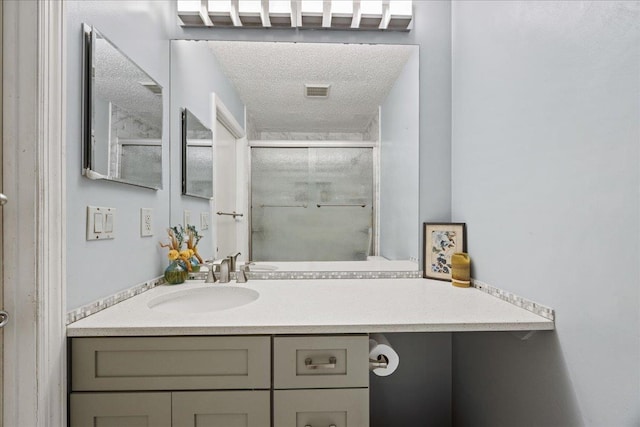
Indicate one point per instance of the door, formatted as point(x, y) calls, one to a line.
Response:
point(225, 195)
point(329, 407)
point(120, 409)
point(221, 409)
point(311, 204)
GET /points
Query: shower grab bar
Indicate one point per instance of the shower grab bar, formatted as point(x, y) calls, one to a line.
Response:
point(283, 206)
point(233, 214)
point(341, 206)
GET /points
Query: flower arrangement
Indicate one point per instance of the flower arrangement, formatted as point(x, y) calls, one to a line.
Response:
point(183, 261)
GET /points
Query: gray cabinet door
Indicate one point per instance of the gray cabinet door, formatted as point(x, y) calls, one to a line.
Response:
point(321, 362)
point(221, 409)
point(321, 408)
point(170, 363)
point(120, 410)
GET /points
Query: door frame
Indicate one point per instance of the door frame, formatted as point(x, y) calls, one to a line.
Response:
point(220, 113)
point(34, 106)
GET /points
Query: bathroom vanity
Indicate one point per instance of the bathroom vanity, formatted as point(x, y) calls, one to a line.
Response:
point(220, 381)
point(296, 355)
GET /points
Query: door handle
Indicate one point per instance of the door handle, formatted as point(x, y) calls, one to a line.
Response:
point(3, 199)
point(4, 318)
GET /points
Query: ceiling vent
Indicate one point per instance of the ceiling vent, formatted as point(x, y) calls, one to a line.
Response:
point(155, 88)
point(316, 91)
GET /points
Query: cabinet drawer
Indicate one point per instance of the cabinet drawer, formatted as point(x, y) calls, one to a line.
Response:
point(170, 363)
point(120, 410)
point(221, 409)
point(321, 362)
point(321, 408)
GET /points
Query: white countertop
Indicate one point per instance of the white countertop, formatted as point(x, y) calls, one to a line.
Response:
point(318, 307)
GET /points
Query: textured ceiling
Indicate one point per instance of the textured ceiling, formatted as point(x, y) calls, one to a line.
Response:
point(119, 80)
point(270, 79)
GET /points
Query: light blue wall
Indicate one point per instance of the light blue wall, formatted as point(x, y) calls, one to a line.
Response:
point(546, 108)
point(195, 74)
point(100, 268)
point(399, 165)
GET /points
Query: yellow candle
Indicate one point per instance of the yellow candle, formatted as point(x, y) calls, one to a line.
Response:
point(460, 270)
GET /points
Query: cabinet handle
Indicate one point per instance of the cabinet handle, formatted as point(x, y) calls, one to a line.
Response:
point(310, 365)
point(309, 425)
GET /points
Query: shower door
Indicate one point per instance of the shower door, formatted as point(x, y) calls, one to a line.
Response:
point(311, 204)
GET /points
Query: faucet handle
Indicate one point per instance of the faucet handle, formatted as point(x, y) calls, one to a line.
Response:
point(211, 275)
point(241, 275)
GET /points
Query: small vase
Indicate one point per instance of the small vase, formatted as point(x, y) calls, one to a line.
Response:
point(176, 273)
point(195, 265)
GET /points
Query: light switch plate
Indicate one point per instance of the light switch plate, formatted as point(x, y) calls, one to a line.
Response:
point(146, 222)
point(187, 218)
point(100, 223)
point(204, 220)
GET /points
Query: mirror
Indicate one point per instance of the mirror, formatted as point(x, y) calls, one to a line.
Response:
point(331, 149)
point(197, 157)
point(122, 136)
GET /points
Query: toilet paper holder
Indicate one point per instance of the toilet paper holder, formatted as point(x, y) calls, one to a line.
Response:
point(380, 362)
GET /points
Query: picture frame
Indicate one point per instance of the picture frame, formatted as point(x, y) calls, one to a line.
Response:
point(440, 241)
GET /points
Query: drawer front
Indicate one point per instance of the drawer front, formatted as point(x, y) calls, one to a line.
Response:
point(221, 409)
point(321, 408)
point(120, 409)
point(321, 362)
point(170, 363)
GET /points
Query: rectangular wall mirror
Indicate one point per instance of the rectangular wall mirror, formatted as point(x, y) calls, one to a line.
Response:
point(122, 109)
point(197, 157)
point(328, 171)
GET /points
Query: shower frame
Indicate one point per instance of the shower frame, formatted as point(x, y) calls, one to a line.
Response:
point(374, 145)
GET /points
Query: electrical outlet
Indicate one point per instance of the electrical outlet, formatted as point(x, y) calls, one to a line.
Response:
point(204, 221)
point(146, 222)
point(187, 218)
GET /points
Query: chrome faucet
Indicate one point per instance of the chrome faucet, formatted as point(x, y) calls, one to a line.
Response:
point(225, 273)
point(233, 259)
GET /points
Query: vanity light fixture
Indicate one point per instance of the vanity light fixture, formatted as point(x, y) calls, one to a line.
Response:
point(400, 14)
point(311, 14)
point(153, 87)
point(393, 15)
point(370, 14)
point(223, 13)
point(341, 14)
point(193, 13)
point(252, 13)
point(280, 13)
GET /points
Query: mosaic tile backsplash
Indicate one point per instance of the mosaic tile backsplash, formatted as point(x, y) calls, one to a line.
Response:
point(534, 307)
point(101, 304)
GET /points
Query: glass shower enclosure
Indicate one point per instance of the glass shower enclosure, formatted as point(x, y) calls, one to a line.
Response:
point(312, 203)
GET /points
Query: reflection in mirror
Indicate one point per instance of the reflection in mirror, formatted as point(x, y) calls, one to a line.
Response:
point(331, 181)
point(197, 157)
point(122, 117)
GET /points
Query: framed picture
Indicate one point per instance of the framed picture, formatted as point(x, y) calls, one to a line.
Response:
point(441, 240)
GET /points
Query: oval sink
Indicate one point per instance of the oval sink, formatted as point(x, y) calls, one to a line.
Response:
point(203, 300)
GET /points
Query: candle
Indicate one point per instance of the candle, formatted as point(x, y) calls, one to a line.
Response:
point(460, 270)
